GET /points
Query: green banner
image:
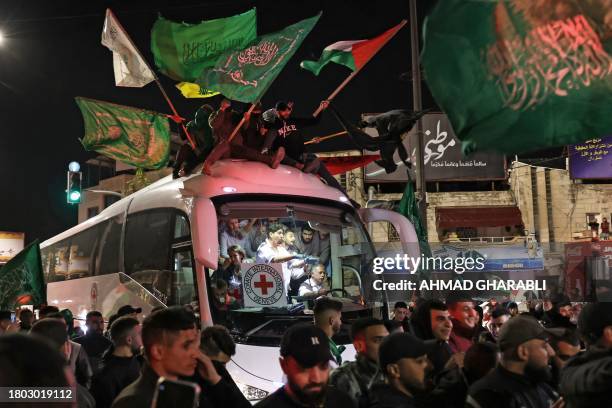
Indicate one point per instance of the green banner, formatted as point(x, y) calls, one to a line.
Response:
point(515, 76)
point(182, 51)
point(21, 279)
point(409, 208)
point(246, 74)
point(133, 136)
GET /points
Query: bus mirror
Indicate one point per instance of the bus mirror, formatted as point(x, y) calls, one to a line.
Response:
point(204, 233)
point(405, 229)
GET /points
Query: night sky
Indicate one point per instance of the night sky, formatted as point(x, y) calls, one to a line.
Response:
point(52, 53)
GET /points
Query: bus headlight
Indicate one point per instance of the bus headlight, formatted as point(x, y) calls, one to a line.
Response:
point(251, 393)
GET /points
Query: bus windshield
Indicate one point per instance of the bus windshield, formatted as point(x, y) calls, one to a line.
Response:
point(277, 258)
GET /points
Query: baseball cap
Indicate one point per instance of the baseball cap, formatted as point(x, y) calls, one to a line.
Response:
point(128, 309)
point(594, 318)
point(520, 329)
point(307, 344)
point(400, 345)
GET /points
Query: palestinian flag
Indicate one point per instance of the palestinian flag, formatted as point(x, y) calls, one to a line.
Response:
point(351, 54)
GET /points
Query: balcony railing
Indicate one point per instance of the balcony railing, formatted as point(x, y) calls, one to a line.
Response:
point(488, 240)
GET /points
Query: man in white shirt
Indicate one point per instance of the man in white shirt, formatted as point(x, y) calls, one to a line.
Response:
point(272, 250)
point(315, 286)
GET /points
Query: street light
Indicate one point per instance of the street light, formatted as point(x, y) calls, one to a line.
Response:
point(1, 38)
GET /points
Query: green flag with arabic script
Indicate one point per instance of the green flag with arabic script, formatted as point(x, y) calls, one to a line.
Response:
point(133, 136)
point(182, 51)
point(519, 75)
point(21, 279)
point(245, 74)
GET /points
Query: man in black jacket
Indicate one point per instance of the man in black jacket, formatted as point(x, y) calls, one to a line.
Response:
point(403, 361)
point(520, 378)
point(586, 378)
point(304, 359)
point(452, 385)
point(431, 322)
point(171, 343)
point(121, 367)
point(94, 342)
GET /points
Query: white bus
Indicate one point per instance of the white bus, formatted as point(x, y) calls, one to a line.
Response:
point(160, 247)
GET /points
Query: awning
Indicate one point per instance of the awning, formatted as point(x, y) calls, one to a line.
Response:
point(452, 217)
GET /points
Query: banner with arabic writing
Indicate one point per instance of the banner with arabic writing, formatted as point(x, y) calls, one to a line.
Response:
point(442, 156)
point(519, 75)
point(591, 159)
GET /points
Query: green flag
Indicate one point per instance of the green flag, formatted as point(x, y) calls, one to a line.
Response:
point(409, 208)
point(516, 76)
point(21, 279)
point(134, 136)
point(182, 51)
point(246, 74)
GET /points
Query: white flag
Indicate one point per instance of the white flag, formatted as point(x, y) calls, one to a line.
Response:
point(130, 68)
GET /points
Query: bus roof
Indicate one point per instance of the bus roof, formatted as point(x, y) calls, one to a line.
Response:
point(228, 177)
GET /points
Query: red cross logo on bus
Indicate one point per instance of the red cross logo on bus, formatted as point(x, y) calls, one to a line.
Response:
point(263, 284)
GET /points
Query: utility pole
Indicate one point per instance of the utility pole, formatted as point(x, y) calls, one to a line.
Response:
point(417, 105)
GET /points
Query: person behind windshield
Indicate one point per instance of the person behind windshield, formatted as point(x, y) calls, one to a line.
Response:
point(307, 242)
point(290, 242)
point(274, 251)
point(235, 235)
point(230, 272)
point(316, 285)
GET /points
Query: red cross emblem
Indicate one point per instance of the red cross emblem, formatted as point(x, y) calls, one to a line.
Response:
point(263, 284)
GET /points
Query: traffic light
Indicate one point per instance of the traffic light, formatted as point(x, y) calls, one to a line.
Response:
point(73, 191)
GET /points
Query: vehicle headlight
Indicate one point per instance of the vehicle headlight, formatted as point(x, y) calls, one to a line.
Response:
point(252, 393)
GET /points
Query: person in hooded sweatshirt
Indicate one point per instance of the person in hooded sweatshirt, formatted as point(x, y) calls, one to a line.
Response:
point(431, 321)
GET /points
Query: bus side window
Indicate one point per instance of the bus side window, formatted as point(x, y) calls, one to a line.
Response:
point(82, 253)
point(147, 251)
point(109, 246)
point(55, 261)
point(183, 285)
point(181, 227)
point(148, 241)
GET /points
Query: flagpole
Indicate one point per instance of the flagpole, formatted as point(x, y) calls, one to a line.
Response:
point(323, 138)
point(354, 73)
point(421, 185)
point(155, 77)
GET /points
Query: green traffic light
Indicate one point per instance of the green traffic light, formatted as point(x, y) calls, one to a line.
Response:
point(75, 196)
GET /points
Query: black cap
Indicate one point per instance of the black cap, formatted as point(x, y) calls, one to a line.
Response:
point(593, 319)
point(128, 309)
point(521, 329)
point(400, 345)
point(307, 344)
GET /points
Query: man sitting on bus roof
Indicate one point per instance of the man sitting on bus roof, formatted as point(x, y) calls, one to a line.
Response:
point(223, 122)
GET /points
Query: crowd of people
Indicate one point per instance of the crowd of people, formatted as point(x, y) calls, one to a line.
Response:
point(430, 353)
